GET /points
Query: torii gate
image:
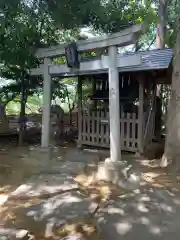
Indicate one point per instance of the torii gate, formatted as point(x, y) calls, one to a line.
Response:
point(111, 63)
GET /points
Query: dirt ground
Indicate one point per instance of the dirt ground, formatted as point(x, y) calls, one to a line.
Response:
point(53, 199)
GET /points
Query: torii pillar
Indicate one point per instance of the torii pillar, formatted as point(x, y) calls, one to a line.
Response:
point(112, 170)
point(114, 108)
point(45, 136)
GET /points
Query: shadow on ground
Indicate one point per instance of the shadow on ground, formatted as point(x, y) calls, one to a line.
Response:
point(150, 212)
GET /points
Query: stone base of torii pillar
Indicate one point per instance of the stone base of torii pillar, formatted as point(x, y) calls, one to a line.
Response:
point(119, 173)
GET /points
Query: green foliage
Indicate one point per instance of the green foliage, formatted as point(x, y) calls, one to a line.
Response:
point(72, 14)
point(173, 11)
point(104, 16)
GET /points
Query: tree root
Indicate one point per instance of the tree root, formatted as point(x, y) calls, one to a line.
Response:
point(43, 196)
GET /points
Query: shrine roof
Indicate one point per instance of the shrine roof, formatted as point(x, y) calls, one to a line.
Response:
point(150, 60)
point(157, 59)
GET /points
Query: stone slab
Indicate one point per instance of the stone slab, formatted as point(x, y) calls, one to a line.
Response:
point(57, 210)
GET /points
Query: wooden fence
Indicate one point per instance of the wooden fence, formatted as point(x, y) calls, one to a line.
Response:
point(94, 129)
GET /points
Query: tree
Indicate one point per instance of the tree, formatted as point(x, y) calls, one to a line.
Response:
point(162, 23)
point(160, 43)
point(17, 32)
point(173, 11)
point(172, 146)
point(24, 28)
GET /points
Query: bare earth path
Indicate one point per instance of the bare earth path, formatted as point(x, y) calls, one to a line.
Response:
point(41, 197)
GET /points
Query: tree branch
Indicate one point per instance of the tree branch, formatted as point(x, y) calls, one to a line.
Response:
point(151, 43)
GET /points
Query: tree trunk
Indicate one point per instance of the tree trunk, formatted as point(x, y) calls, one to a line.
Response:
point(22, 119)
point(161, 26)
point(4, 125)
point(160, 43)
point(172, 146)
